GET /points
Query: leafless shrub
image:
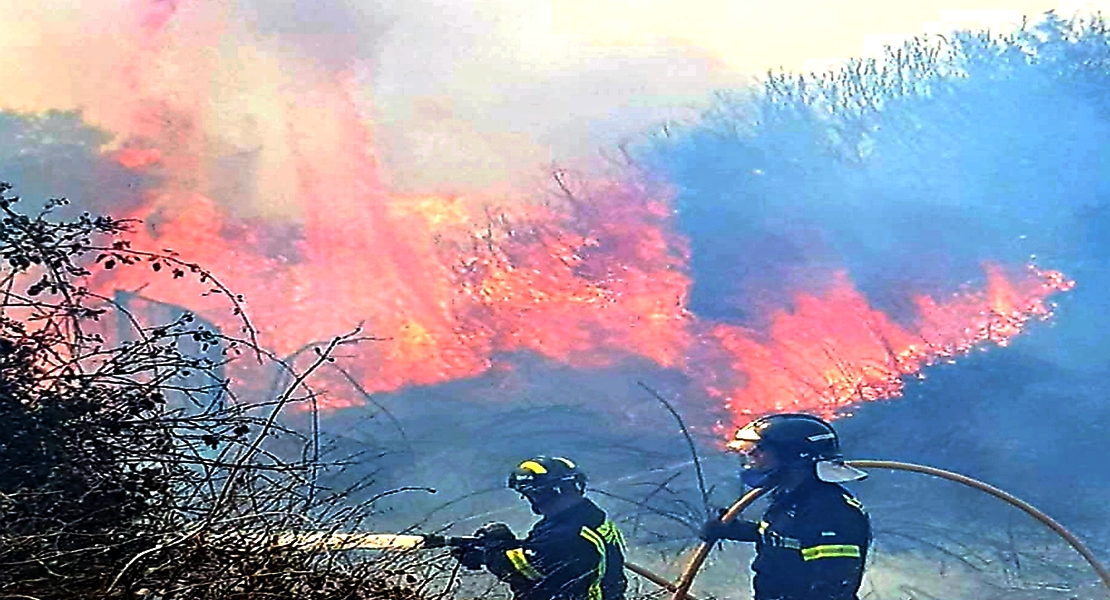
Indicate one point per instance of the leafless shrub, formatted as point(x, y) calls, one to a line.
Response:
point(130, 465)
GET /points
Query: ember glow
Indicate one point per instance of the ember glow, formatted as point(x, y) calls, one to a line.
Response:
point(449, 286)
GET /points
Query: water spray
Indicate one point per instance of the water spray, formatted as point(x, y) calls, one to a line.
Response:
point(326, 541)
point(680, 589)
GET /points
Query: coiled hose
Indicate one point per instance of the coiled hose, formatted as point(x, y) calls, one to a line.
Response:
point(680, 589)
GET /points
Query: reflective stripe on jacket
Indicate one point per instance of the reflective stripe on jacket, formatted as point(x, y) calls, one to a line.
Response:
point(811, 544)
point(577, 554)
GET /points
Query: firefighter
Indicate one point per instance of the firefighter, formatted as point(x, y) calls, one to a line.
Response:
point(813, 538)
point(574, 552)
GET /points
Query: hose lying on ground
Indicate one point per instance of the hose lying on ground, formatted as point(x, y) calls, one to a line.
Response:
point(680, 589)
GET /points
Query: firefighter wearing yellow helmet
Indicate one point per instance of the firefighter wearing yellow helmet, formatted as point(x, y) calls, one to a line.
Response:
point(812, 541)
point(574, 552)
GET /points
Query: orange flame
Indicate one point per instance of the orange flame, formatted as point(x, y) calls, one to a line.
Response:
point(835, 350)
point(445, 286)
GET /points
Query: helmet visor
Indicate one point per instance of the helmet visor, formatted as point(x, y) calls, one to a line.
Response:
point(746, 437)
point(743, 447)
point(750, 453)
point(835, 471)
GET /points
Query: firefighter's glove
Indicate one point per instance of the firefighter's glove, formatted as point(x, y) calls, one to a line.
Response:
point(714, 529)
point(494, 532)
point(471, 557)
point(491, 539)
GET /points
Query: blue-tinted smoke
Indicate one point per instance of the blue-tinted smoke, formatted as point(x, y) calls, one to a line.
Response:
point(908, 172)
point(56, 154)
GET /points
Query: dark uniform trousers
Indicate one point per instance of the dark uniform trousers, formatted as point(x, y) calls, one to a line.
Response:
point(577, 554)
point(811, 544)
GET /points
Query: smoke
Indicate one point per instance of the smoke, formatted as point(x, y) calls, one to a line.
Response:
point(481, 97)
point(1000, 163)
point(464, 96)
point(1000, 155)
point(231, 102)
point(264, 107)
point(476, 95)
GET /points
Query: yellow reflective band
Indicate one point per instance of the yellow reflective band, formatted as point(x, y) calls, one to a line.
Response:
point(565, 461)
point(595, 539)
point(609, 532)
point(521, 564)
point(532, 467)
point(853, 502)
point(830, 551)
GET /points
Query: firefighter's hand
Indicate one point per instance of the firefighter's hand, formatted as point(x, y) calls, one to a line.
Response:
point(496, 532)
point(470, 557)
point(714, 529)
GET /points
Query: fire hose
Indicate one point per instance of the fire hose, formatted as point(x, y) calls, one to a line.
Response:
point(681, 588)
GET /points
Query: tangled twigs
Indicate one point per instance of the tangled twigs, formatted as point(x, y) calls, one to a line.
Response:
point(126, 450)
point(689, 443)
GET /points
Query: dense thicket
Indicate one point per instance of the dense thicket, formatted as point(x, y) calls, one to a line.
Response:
point(129, 465)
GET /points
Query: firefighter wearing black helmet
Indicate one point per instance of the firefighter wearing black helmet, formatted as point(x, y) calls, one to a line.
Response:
point(812, 541)
point(572, 553)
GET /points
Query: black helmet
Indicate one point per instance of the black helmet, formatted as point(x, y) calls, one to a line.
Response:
point(798, 437)
point(544, 475)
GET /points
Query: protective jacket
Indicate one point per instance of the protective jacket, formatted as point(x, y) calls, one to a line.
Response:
point(576, 554)
point(811, 544)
